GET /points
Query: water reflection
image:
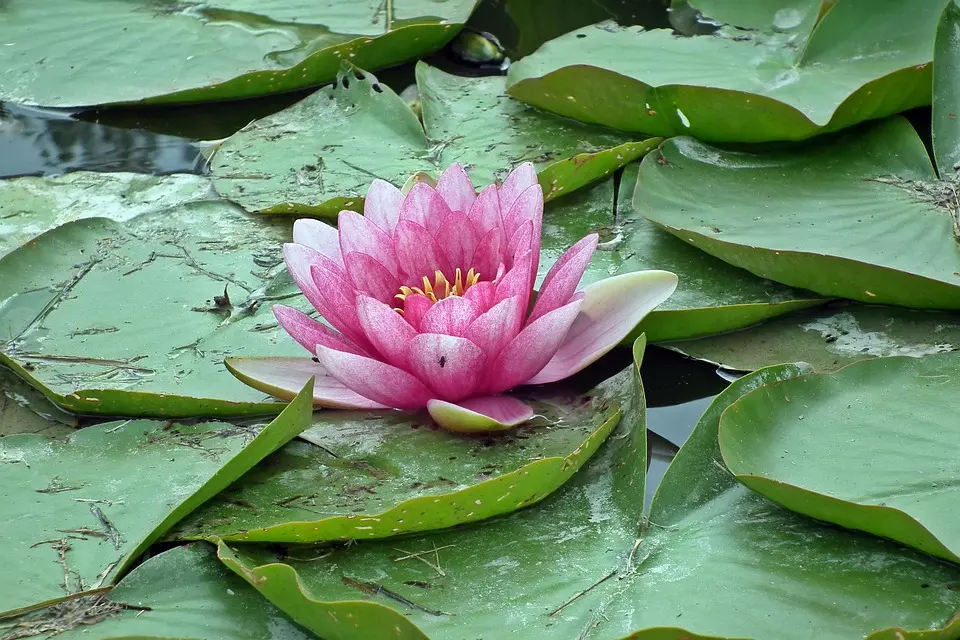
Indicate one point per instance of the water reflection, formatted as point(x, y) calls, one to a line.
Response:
point(43, 142)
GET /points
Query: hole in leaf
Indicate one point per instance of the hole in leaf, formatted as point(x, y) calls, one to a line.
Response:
point(345, 81)
point(377, 88)
point(581, 35)
point(359, 75)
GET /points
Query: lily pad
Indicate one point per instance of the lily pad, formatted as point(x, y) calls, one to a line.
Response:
point(712, 297)
point(23, 409)
point(186, 287)
point(786, 82)
point(320, 155)
point(88, 505)
point(370, 475)
point(830, 338)
point(180, 593)
point(946, 92)
point(175, 52)
point(32, 206)
point(579, 565)
point(869, 447)
point(860, 216)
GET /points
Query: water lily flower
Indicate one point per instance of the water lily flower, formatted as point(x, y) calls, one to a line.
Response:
point(430, 303)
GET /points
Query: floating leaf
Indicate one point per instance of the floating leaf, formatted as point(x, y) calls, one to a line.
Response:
point(860, 216)
point(320, 155)
point(946, 93)
point(186, 287)
point(740, 85)
point(23, 409)
point(168, 52)
point(32, 206)
point(712, 296)
point(182, 593)
point(830, 338)
point(870, 447)
point(88, 505)
point(371, 475)
point(718, 561)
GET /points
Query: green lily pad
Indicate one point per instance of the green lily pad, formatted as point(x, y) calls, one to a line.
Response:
point(374, 475)
point(784, 16)
point(946, 92)
point(869, 447)
point(23, 409)
point(88, 505)
point(135, 318)
point(320, 155)
point(718, 561)
point(175, 52)
point(180, 593)
point(775, 83)
point(830, 338)
point(860, 216)
point(712, 297)
point(32, 206)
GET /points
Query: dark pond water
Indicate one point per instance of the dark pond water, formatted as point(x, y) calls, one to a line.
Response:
point(168, 140)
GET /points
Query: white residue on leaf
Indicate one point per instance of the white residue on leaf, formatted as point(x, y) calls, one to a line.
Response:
point(683, 118)
point(850, 340)
point(598, 498)
point(502, 564)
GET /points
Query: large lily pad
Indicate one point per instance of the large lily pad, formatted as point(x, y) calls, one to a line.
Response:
point(712, 296)
point(32, 206)
point(86, 506)
point(718, 561)
point(135, 318)
point(180, 593)
point(371, 475)
point(23, 409)
point(870, 447)
point(171, 51)
point(320, 155)
point(830, 338)
point(946, 93)
point(860, 216)
point(786, 81)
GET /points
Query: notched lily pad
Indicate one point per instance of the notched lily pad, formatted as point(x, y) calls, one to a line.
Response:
point(186, 287)
point(175, 52)
point(870, 447)
point(860, 216)
point(712, 297)
point(87, 505)
point(369, 475)
point(320, 155)
point(783, 80)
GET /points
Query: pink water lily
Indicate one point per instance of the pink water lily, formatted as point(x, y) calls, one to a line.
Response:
point(429, 297)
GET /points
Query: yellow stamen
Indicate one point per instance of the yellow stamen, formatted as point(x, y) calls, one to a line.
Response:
point(440, 288)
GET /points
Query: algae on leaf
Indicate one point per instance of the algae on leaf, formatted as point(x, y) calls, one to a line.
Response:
point(69, 53)
point(320, 155)
point(784, 81)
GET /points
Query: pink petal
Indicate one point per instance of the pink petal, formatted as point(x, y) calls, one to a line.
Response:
point(519, 180)
point(418, 253)
point(480, 415)
point(527, 206)
point(487, 256)
point(414, 308)
point(382, 205)
point(482, 294)
point(532, 348)
point(520, 243)
point(285, 377)
point(337, 298)
point(458, 241)
point(309, 333)
point(564, 276)
point(371, 277)
point(319, 236)
point(376, 380)
point(611, 310)
point(485, 211)
point(299, 259)
point(497, 326)
point(449, 365)
point(386, 329)
point(450, 316)
point(456, 189)
point(516, 282)
point(361, 235)
point(425, 207)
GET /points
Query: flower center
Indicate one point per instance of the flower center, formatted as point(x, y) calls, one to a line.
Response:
point(440, 288)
